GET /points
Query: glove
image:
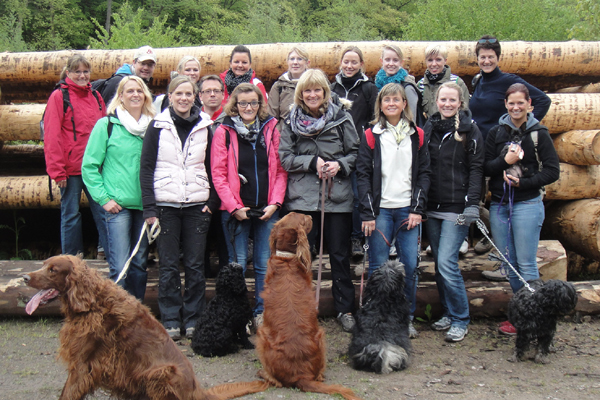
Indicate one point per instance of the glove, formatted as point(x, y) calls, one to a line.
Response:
point(469, 215)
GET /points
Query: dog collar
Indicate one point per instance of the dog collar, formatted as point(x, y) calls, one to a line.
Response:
point(284, 254)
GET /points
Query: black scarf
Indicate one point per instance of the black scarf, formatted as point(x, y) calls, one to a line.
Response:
point(232, 80)
point(441, 126)
point(433, 78)
point(349, 82)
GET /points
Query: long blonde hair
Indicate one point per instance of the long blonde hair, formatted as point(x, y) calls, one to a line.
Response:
point(453, 85)
point(148, 107)
point(389, 90)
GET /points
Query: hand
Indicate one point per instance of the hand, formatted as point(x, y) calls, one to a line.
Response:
point(470, 214)
point(268, 212)
point(61, 184)
point(368, 227)
point(513, 154)
point(511, 180)
point(240, 214)
point(150, 221)
point(413, 220)
point(332, 168)
point(206, 210)
point(112, 207)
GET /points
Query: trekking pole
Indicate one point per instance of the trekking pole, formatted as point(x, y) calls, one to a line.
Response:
point(152, 232)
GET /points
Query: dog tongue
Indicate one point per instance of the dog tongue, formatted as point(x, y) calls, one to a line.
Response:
point(41, 297)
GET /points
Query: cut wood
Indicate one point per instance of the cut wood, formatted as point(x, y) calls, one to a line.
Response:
point(30, 192)
point(578, 147)
point(589, 88)
point(576, 225)
point(575, 182)
point(21, 122)
point(575, 111)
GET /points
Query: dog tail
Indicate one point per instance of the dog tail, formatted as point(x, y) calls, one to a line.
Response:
point(320, 387)
point(233, 390)
point(382, 357)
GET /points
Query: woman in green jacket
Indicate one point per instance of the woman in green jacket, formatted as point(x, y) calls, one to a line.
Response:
point(111, 172)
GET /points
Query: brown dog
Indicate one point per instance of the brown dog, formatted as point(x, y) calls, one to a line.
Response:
point(110, 340)
point(290, 343)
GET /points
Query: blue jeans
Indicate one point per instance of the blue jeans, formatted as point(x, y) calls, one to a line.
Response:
point(523, 238)
point(187, 226)
point(123, 231)
point(390, 222)
point(71, 232)
point(261, 230)
point(445, 239)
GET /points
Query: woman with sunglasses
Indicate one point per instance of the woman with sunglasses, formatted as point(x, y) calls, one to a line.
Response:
point(249, 179)
point(490, 85)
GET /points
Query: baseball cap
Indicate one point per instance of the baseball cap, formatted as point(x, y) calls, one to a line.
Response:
point(145, 53)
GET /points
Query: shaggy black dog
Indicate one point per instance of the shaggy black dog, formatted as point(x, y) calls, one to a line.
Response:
point(535, 315)
point(380, 341)
point(222, 327)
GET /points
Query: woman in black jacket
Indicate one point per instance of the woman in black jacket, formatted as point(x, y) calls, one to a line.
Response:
point(456, 149)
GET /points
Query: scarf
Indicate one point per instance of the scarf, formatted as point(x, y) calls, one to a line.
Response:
point(246, 132)
point(136, 128)
point(381, 79)
point(349, 82)
point(232, 80)
point(440, 126)
point(307, 125)
point(433, 78)
point(401, 130)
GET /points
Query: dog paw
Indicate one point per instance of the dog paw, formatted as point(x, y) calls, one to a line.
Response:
point(541, 359)
point(514, 358)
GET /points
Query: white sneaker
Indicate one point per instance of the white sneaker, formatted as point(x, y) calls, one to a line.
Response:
point(428, 250)
point(464, 248)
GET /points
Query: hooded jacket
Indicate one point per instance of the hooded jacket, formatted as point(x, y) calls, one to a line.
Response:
point(281, 98)
point(63, 148)
point(429, 91)
point(533, 179)
point(253, 80)
point(456, 167)
point(363, 100)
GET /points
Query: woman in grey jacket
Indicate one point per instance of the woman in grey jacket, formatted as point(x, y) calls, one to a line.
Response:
point(319, 141)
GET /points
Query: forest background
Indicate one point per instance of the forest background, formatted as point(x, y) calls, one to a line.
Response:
point(44, 25)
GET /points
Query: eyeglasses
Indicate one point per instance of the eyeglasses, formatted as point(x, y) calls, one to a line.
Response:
point(490, 41)
point(86, 72)
point(244, 104)
point(209, 91)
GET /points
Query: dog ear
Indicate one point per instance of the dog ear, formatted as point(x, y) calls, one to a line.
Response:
point(79, 288)
point(303, 249)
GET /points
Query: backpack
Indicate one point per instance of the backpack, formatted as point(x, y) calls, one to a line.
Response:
point(100, 84)
point(419, 113)
point(371, 139)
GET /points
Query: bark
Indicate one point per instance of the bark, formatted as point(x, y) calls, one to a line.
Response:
point(578, 147)
point(573, 112)
point(30, 192)
point(589, 88)
point(21, 122)
point(575, 182)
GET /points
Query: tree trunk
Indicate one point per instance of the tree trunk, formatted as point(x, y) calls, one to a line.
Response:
point(21, 122)
point(589, 88)
point(108, 16)
point(575, 182)
point(568, 112)
point(30, 192)
point(578, 147)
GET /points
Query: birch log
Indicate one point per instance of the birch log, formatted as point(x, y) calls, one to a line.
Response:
point(589, 88)
point(573, 111)
point(578, 147)
point(21, 122)
point(30, 192)
point(575, 182)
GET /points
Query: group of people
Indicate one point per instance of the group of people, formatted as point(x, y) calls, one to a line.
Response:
point(394, 154)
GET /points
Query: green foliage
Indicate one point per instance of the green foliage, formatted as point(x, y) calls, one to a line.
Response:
point(428, 314)
point(588, 25)
point(19, 224)
point(11, 33)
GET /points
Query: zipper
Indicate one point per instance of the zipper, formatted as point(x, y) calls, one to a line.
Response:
point(255, 171)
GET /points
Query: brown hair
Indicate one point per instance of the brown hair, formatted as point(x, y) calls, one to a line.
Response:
point(178, 80)
point(355, 50)
point(240, 48)
point(517, 88)
point(231, 107)
point(487, 45)
point(210, 78)
point(73, 63)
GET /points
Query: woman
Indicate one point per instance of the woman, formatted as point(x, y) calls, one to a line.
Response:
point(67, 127)
point(393, 179)
point(281, 96)
point(517, 210)
point(188, 66)
point(456, 151)
point(319, 141)
point(352, 84)
point(240, 71)
point(111, 172)
point(177, 189)
point(249, 179)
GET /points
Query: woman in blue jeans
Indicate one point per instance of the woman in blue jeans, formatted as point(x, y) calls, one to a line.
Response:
point(392, 170)
point(111, 172)
point(520, 160)
point(456, 150)
point(177, 189)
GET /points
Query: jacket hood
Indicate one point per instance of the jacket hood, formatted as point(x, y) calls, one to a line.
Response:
point(363, 78)
point(286, 79)
point(125, 69)
point(77, 88)
point(531, 122)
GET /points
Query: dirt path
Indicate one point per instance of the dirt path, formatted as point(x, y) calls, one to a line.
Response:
point(473, 369)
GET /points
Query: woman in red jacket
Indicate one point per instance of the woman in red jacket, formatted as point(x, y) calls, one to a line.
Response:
point(66, 133)
point(240, 71)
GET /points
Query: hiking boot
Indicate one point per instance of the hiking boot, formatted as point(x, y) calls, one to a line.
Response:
point(174, 333)
point(497, 275)
point(412, 332)
point(483, 246)
point(464, 248)
point(393, 251)
point(357, 249)
point(189, 332)
point(507, 328)
point(441, 324)
point(456, 333)
point(347, 321)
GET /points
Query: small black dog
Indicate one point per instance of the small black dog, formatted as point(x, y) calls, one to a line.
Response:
point(534, 315)
point(222, 327)
point(380, 341)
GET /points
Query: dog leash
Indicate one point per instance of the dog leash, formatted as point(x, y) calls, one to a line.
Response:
point(152, 232)
point(485, 232)
point(326, 179)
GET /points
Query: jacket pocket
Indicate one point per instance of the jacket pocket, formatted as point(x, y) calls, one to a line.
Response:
point(341, 191)
point(162, 182)
point(202, 181)
point(298, 184)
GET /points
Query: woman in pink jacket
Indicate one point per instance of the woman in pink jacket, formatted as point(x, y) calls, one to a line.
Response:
point(249, 179)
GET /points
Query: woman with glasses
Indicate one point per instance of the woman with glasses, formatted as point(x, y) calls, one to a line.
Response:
point(240, 71)
point(177, 190)
point(281, 96)
point(249, 179)
point(67, 127)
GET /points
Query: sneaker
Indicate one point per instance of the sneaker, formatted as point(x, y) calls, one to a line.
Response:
point(464, 248)
point(456, 333)
point(101, 255)
point(347, 321)
point(483, 246)
point(442, 324)
point(357, 249)
point(393, 251)
point(174, 333)
point(189, 332)
point(428, 250)
point(497, 275)
point(412, 332)
point(258, 321)
point(507, 329)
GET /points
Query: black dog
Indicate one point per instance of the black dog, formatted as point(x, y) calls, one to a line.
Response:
point(380, 341)
point(534, 315)
point(222, 327)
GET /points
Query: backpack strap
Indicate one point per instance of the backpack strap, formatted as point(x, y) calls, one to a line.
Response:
point(370, 138)
point(534, 137)
point(421, 134)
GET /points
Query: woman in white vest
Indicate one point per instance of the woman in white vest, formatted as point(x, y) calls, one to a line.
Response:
point(176, 189)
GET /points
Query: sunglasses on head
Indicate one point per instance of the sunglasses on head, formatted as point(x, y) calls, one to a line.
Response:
point(490, 41)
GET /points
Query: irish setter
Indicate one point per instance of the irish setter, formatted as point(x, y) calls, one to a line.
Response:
point(110, 340)
point(290, 343)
